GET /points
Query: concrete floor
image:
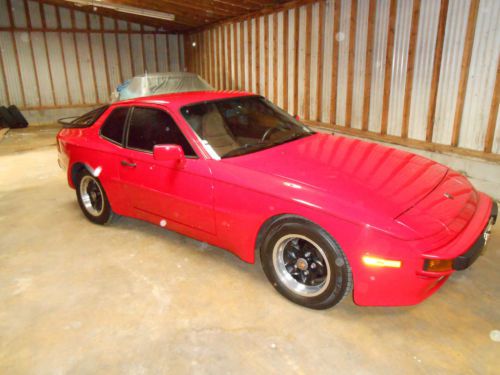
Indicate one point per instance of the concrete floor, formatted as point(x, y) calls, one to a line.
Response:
point(134, 298)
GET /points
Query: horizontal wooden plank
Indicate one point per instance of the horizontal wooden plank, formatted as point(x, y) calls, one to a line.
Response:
point(86, 31)
point(412, 143)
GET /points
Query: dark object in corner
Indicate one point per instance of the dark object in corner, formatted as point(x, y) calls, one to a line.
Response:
point(19, 119)
point(12, 118)
point(6, 119)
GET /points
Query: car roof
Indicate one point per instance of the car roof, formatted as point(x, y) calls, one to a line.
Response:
point(181, 99)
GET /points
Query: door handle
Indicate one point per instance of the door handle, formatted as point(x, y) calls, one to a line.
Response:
point(127, 164)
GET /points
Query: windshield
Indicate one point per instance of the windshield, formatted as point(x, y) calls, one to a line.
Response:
point(238, 126)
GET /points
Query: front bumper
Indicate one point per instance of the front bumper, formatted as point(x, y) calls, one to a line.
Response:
point(411, 283)
point(466, 259)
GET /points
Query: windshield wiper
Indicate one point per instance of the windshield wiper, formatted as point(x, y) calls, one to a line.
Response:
point(259, 146)
point(241, 150)
point(293, 137)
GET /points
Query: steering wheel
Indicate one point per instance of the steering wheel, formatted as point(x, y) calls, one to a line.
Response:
point(269, 131)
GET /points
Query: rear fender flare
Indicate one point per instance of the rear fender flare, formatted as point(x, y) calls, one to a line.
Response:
point(77, 167)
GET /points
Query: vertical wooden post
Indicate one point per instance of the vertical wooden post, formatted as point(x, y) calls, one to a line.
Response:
point(16, 54)
point(198, 53)
point(266, 55)
point(68, 91)
point(249, 42)
point(77, 53)
point(187, 56)
point(35, 70)
point(157, 55)
point(275, 57)
point(350, 67)
point(372, 16)
point(118, 49)
point(319, 77)
point(179, 55)
point(193, 51)
point(92, 65)
point(257, 55)
point(44, 26)
point(106, 67)
point(492, 118)
point(167, 44)
point(143, 50)
point(307, 65)
point(212, 51)
point(335, 62)
point(285, 59)
point(229, 31)
point(388, 66)
point(201, 47)
point(436, 69)
point(204, 61)
point(235, 56)
point(412, 53)
point(242, 57)
point(4, 77)
point(464, 70)
point(129, 41)
point(296, 61)
point(223, 56)
point(216, 51)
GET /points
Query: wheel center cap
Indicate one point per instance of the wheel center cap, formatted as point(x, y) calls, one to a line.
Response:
point(302, 264)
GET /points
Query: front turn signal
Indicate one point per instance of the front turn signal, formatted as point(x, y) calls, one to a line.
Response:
point(379, 262)
point(438, 265)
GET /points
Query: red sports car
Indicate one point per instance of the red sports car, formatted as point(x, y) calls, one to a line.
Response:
point(325, 214)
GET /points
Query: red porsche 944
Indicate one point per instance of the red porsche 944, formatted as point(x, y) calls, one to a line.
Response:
point(326, 214)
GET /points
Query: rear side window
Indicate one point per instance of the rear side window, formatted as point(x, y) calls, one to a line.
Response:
point(113, 126)
point(149, 127)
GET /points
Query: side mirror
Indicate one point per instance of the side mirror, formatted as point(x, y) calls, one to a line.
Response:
point(168, 153)
point(296, 117)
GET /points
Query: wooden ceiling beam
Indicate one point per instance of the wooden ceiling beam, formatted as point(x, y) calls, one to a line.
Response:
point(278, 7)
point(189, 16)
point(218, 11)
point(228, 6)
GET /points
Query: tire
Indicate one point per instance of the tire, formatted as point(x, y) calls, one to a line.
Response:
point(92, 199)
point(305, 264)
point(18, 117)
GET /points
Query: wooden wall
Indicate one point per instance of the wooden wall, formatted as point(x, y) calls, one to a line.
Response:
point(422, 73)
point(56, 57)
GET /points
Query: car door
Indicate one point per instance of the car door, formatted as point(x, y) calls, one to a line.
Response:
point(179, 192)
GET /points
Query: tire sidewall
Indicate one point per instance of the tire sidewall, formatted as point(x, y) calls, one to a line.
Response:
point(106, 214)
point(340, 277)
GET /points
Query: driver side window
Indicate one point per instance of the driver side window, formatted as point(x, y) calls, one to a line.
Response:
point(149, 127)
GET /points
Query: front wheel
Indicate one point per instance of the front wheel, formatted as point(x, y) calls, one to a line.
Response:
point(305, 264)
point(92, 199)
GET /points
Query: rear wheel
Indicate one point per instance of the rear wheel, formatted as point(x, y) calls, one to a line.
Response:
point(92, 199)
point(305, 264)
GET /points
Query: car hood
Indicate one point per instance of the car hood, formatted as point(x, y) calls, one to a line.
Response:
point(364, 176)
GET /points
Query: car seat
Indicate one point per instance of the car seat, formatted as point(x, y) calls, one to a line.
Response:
point(216, 133)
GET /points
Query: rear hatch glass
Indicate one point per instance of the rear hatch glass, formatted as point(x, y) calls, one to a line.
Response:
point(84, 121)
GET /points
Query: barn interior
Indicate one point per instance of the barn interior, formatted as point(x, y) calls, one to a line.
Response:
point(422, 76)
